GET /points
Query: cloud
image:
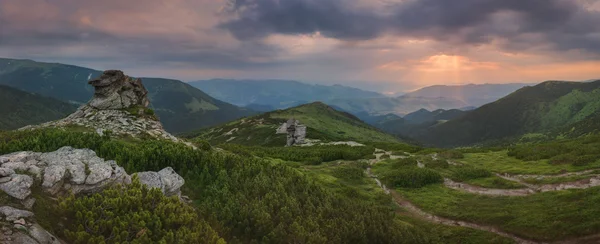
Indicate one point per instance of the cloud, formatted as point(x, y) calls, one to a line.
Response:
point(565, 24)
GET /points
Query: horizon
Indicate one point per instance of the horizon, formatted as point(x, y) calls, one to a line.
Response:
point(389, 94)
point(383, 46)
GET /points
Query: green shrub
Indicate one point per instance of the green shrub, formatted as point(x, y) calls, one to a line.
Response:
point(412, 178)
point(437, 164)
point(349, 172)
point(244, 198)
point(403, 162)
point(133, 214)
point(465, 173)
point(452, 154)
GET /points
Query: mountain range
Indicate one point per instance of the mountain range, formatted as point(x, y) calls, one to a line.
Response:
point(277, 94)
point(180, 106)
point(269, 95)
point(534, 109)
point(19, 108)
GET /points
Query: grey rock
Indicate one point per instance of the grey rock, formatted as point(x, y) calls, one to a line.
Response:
point(18, 187)
point(28, 203)
point(42, 236)
point(6, 171)
point(98, 173)
point(115, 90)
point(171, 181)
point(151, 179)
point(77, 171)
point(13, 214)
point(296, 132)
point(53, 175)
point(16, 165)
point(22, 238)
point(5, 179)
point(20, 221)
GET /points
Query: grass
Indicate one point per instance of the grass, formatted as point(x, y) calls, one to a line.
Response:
point(453, 234)
point(364, 188)
point(500, 162)
point(494, 182)
point(333, 123)
point(544, 216)
point(556, 180)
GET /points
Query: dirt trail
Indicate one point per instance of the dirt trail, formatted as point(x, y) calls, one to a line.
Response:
point(531, 189)
point(419, 213)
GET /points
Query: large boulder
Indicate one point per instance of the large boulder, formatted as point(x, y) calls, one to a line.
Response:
point(167, 180)
point(115, 90)
point(120, 105)
point(74, 170)
point(296, 132)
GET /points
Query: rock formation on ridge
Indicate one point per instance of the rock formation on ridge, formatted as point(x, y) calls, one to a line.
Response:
point(119, 105)
point(296, 132)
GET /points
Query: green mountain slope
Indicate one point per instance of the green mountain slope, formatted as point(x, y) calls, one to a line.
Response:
point(278, 94)
point(424, 116)
point(180, 106)
point(19, 108)
point(540, 108)
point(323, 123)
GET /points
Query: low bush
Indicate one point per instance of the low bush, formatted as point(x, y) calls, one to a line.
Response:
point(465, 173)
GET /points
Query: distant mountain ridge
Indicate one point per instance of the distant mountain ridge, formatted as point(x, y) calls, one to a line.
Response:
point(400, 106)
point(180, 106)
point(19, 108)
point(533, 109)
point(473, 94)
point(278, 94)
point(430, 98)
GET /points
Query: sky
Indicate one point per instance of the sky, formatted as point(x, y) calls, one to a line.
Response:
point(380, 45)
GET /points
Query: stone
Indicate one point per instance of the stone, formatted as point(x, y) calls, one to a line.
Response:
point(53, 175)
point(28, 203)
point(171, 181)
point(22, 238)
point(98, 173)
point(150, 179)
point(20, 221)
point(77, 171)
point(13, 214)
point(6, 171)
point(18, 187)
point(115, 90)
point(296, 132)
point(42, 236)
point(5, 179)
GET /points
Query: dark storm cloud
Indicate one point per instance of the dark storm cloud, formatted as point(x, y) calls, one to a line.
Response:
point(41, 34)
point(462, 21)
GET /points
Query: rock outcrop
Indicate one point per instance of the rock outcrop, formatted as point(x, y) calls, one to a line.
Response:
point(65, 170)
point(296, 132)
point(119, 105)
point(73, 170)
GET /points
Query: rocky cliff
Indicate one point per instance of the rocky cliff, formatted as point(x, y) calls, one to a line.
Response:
point(296, 132)
point(67, 170)
point(119, 105)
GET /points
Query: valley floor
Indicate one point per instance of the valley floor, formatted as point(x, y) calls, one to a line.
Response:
point(557, 212)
